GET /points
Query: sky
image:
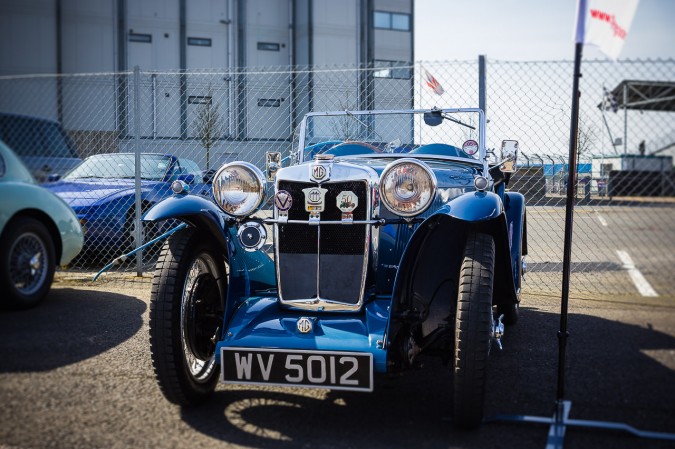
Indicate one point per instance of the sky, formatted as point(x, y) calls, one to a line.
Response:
point(529, 30)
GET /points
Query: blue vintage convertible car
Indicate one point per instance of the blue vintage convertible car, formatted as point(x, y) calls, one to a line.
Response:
point(382, 252)
point(101, 192)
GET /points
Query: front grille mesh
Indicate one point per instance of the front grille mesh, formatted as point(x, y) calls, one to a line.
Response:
point(335, 239)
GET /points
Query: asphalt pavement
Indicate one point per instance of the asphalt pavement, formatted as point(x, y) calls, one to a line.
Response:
point(76, 373)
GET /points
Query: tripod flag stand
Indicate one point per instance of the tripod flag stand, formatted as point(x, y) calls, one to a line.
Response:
point(610, 41)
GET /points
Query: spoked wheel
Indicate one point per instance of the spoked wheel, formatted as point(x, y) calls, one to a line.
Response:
point(186, 316)
point(473, 330)
point(27, 263)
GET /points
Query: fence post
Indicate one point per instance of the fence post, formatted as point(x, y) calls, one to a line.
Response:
point(554, 182)
point(625, 117)
point(137, 178)
point(482, 102)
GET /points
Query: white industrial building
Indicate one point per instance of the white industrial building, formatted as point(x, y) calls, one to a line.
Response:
point(191, 52)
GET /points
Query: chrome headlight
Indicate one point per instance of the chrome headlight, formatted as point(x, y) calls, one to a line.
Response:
point(239, 188)
point(407, 187)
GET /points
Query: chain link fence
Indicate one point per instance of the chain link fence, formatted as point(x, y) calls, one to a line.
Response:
point(163, 126)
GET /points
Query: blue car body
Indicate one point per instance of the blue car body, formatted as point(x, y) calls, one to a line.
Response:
point(104, 205)
point(254, 319)
point(400, 304)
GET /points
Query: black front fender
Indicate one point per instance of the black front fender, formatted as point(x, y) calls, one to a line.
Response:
point(195, 211)
point(425, 289)
point(247, 271)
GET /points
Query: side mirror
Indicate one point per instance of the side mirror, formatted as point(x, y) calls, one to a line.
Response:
point(272, 164)
point(433, 118)
point(509, 156)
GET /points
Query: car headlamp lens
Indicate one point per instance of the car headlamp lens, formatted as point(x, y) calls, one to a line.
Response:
point(407, 187)
point(239, 188)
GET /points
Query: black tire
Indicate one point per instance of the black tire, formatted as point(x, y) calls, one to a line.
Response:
point(186, 314)
point(27, 263)
point(473, 330)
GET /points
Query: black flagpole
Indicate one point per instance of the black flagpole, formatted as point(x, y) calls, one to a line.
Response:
point(569, 222)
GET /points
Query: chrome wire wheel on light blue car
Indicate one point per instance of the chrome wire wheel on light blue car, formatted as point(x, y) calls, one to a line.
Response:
point(186, 315)
point(28, 262)
point(27, 267)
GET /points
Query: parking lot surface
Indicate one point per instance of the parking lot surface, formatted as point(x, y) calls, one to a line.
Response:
point(76, 373)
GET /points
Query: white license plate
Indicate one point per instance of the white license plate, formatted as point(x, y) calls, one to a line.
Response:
point(317, 369)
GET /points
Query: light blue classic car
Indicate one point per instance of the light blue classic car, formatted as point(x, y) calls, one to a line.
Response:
point(393, 237)
point(37, 231)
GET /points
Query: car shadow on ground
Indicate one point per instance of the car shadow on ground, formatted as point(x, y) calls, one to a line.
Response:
point(34, 340)
point(609, 377)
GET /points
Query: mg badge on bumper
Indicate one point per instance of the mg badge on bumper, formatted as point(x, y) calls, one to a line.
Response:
point(305, 325)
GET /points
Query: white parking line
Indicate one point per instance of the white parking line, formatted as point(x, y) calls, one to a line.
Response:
point(638, 279)
point(601, 219)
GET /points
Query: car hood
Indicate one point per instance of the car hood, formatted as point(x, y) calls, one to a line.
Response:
point(449, 173)
point(453, 177)
point(87, 192)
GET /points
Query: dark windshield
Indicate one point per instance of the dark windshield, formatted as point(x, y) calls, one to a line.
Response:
point(29, 136)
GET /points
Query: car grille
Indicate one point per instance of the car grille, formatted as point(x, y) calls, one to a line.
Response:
point(336, 254)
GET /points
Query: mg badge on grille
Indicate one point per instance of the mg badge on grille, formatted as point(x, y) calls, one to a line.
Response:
point(305, 325)
point(319, 172)
point(347, 201)
point(315, 201)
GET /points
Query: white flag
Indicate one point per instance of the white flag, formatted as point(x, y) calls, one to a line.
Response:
point(605, 24)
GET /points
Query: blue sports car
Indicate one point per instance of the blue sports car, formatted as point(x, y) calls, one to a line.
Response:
point(101, 192)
